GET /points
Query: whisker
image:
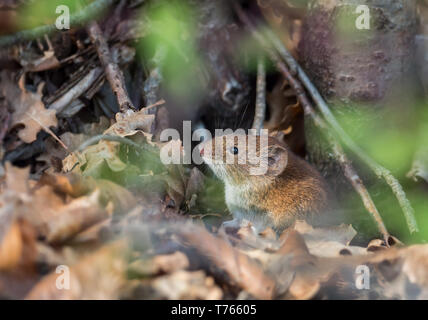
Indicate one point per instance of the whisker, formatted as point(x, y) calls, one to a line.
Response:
point(243, 114)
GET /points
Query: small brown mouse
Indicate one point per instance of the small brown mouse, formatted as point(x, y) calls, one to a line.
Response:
point(289, 189)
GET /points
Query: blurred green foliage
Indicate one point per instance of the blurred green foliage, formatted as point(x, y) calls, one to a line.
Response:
point(248, 50)
point(43, 12)
point(386, 135)
point(173, 27)
point(390, 137)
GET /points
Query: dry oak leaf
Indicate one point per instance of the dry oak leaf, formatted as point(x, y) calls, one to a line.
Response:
point(57, 221)
point(329, 241)
point(52, 217)
point(95, 157)
point(130, 123)
point(29, 108)
point(72, 140)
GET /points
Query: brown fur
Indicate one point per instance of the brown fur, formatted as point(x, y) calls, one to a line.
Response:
point(297, 191)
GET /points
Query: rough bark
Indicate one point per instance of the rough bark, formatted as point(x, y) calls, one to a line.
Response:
point(359, 70)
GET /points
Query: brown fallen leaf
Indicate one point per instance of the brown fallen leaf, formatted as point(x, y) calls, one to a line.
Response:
point(328, 241)
point(242, 270)
point(54, 217)
point(11, 247)
point(16, 240)
point(17, 179)
point(57, 221)
point(130, 123)
point(72, 140)
point(415, 264)
point(171, 262)
point(186, 285)
point(98, 275)
point(76, 185)
point(30, 111)
point(164, 263)
point(299, 262)
point(93, 159)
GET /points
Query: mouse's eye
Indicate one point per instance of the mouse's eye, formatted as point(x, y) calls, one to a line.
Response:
point(234, 150)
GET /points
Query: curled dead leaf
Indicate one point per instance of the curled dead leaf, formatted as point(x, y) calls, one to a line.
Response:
point(328, 241)
point(57, 221)
point(130, 123)
point(30, 111)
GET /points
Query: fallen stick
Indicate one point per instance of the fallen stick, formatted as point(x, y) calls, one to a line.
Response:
point(113, 73)
point(349, 171)
point(339, 133)
point(259, 114)
point(77, 19)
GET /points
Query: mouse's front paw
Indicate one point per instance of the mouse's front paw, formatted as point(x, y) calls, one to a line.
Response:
point(235, 224)
point(231, 224)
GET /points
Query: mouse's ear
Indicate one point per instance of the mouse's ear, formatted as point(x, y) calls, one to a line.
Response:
point(277, 160)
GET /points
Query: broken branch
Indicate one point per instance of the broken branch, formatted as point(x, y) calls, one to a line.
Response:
point(113, 73)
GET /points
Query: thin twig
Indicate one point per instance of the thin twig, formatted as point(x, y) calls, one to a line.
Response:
point(156, 104)
point(113, 73)
point(77, 19)
point(339, 154)
point(49, 131)
point(349, 171)
point(153, 82)
point(259, 114)
point(285, 55)
point(338, 132)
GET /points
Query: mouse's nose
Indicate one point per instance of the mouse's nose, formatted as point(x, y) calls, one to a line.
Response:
point(201, 152)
